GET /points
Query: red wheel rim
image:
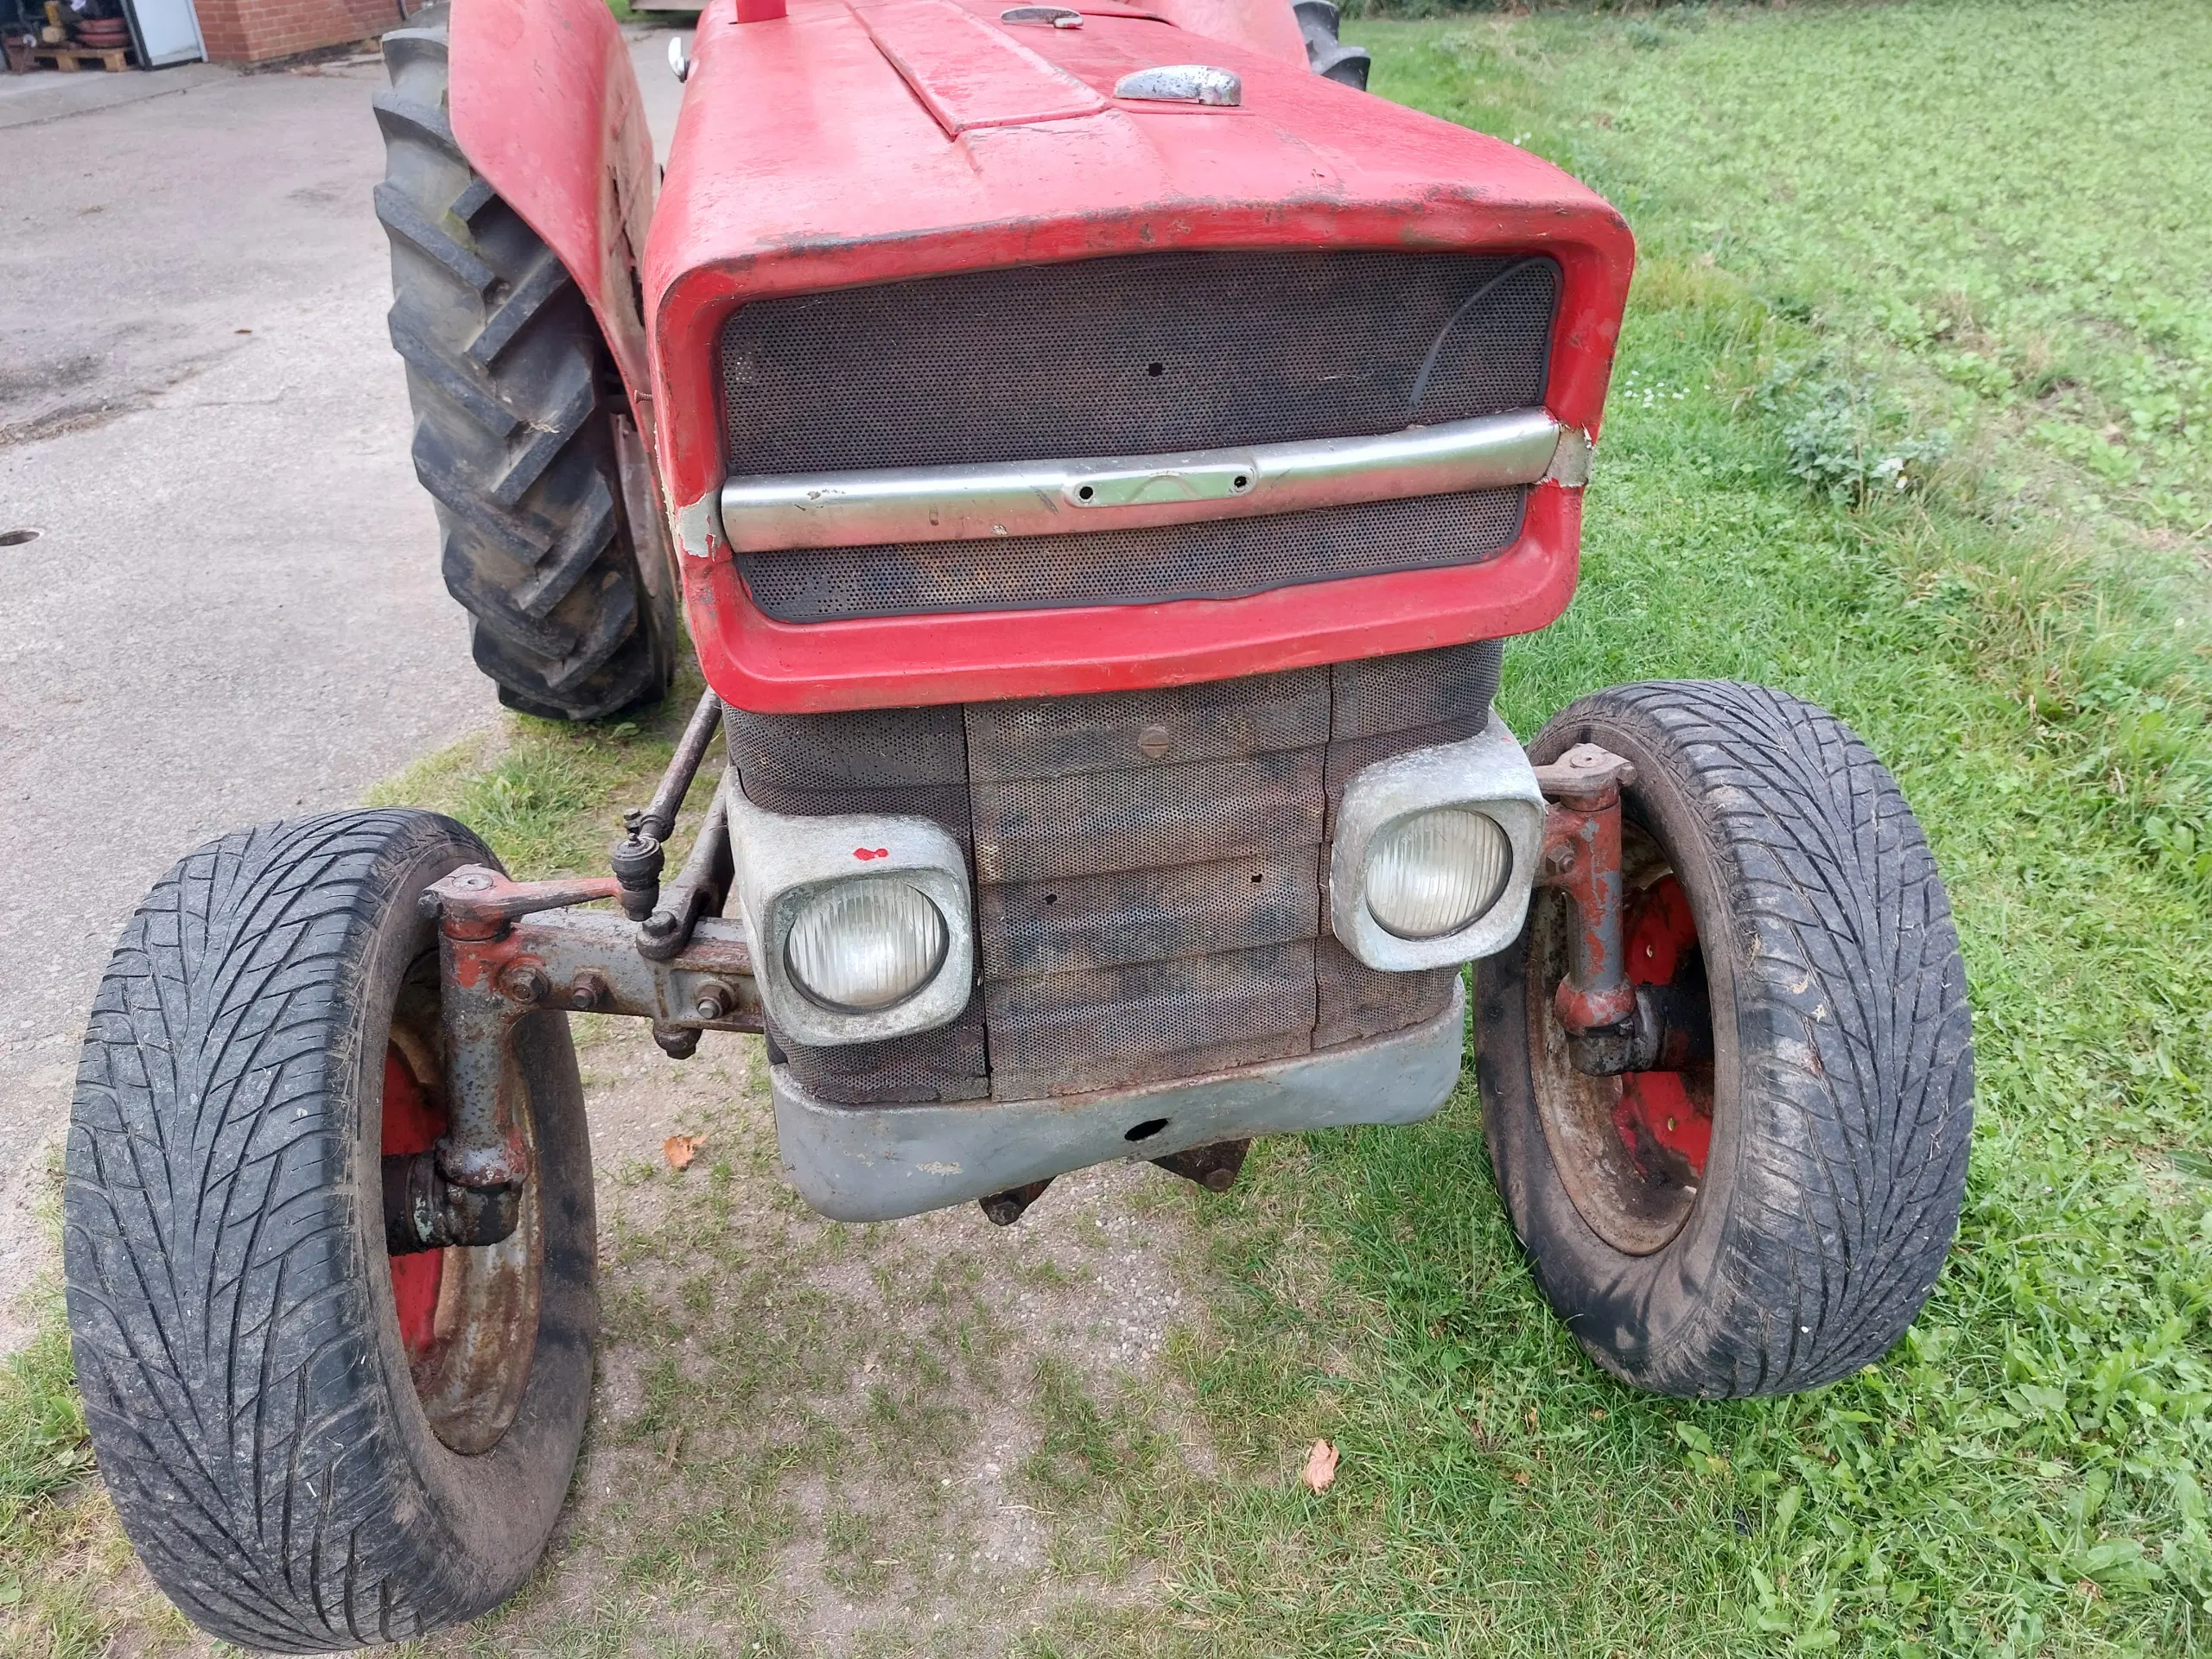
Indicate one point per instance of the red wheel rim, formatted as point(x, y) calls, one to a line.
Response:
point(1663, 1114)
point(412, 1124)
point(1630, 1149)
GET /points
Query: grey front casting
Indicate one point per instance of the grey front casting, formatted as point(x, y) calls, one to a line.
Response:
point(878, 1163)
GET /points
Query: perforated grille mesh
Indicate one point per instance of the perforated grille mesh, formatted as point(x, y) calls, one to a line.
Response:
point(868, 748)
point(946, 1065)
point(1221, 558)
point(1379, 695)
point(1354, 1002)
point(1140, 354)
point(1122, 1024)
point(1150, 866)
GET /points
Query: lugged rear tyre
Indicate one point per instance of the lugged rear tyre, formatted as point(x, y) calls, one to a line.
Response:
point(545, 505)
point(314, 1445)
point(1771, 1217)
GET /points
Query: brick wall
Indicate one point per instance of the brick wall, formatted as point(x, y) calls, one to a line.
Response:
point(252, 31)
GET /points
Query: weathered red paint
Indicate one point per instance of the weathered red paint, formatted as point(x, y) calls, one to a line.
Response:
point(805, 159)
point(1672, 1108)
point(546, 107)
point(411, 1124)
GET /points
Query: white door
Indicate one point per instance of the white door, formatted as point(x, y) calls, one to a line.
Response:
point(166, 31)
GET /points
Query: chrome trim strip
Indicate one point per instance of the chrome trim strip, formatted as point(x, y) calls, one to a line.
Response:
point(1031, 498)
point(877, 1163)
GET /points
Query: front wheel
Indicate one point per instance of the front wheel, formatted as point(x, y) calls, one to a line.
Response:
point(313, 1444)
point(1769, 1218)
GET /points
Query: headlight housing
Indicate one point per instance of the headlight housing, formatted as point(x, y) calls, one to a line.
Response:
point(1434, 852)
point(865, 945)
point(860, 922)
point(1434, 872)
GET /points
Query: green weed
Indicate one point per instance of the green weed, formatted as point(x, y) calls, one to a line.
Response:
point(549, 795)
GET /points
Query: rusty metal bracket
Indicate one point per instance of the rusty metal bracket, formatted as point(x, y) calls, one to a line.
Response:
point(423, 1211)
point(1004, 1209)
point(1612, 1027)
point(511, 949)
point(1215, 1167)
point(1581, 858)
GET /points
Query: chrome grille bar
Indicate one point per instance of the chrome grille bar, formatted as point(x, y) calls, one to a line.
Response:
point(951, 503)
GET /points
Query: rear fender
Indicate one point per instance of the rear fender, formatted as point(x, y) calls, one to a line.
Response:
point(546, 107)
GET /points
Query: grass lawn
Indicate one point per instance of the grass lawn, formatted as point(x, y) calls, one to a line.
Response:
point(1911, 418)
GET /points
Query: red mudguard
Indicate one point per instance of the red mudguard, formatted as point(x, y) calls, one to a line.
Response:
point(545, 105)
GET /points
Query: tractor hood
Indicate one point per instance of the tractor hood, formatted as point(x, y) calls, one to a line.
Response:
point(885, 140)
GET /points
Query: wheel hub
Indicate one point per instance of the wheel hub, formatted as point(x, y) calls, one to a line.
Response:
point(1665, 1118)
point(1631, 1142)
point(468, 1315)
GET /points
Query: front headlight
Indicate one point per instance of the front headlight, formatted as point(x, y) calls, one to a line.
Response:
point(1435, 871)
point(865, 945)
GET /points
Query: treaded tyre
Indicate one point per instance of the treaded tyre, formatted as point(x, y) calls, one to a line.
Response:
point(545, 501)
point(312, 1444)
point(1326, 56)
point(1772, 1218)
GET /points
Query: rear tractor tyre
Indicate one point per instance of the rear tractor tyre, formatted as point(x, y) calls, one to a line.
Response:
point(313, 1444)
point(1772, 1217)
point(546, 506)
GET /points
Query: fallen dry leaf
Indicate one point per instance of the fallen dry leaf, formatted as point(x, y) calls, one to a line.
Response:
point(1320, 1466)
point(1520, 1476)
point(681, 1150)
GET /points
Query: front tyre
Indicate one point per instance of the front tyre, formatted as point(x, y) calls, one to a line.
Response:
point(1771, 1218)
point(312, 1444)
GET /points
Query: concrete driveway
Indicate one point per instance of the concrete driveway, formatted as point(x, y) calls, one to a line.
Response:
point(232, 611)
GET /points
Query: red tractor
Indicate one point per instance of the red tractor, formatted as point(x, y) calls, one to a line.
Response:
point(1098, 458)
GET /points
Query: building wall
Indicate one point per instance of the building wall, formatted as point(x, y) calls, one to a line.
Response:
point(252, 31)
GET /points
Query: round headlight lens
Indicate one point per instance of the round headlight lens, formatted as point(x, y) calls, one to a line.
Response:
point(1435, 871)
point(865, 945)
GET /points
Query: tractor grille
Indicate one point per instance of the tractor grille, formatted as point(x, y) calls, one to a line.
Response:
point(1222, 558)
point(1143, 354)
point(1140, 915)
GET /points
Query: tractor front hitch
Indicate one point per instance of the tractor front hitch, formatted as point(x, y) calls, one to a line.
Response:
point(1612, 1027)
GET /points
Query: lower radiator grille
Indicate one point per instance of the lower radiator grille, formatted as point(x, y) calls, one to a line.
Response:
point(1219, 558)
point(1149, 870)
